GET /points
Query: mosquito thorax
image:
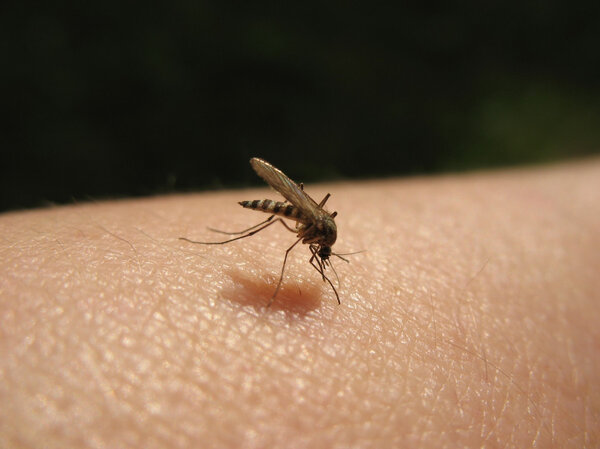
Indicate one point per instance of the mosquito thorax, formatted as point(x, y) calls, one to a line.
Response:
point(327, 231)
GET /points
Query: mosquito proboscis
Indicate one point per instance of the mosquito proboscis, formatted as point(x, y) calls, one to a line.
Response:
point(314, 225)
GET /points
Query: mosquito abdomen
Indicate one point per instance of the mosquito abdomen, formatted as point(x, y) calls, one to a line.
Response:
point(274, 207)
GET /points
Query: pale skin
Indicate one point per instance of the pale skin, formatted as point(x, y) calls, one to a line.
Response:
point(471, 320)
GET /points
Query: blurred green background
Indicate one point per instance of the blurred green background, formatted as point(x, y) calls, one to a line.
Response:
point(116, 98)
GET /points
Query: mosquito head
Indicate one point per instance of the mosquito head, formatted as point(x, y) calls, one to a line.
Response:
point(324, 252)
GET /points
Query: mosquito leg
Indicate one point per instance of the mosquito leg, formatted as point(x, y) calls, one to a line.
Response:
point(287, 227)
point(335, 272)
point(325, 278)
point(324, 200)
point(334, 290)
point(234, 239)
point(282, 270)
point(321, 268)
point(245, 230)
point(255, 226)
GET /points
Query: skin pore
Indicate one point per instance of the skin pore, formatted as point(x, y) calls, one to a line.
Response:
point(470, 321)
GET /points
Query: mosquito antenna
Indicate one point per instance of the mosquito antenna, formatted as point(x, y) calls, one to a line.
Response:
point(347, 254)
point(343, 258)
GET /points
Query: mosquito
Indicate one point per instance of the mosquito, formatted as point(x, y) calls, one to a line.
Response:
point(314, 225)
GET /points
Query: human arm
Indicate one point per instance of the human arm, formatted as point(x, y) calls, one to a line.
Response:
point(471, 319)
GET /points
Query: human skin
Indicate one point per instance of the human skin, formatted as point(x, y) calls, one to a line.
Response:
point(470, 321)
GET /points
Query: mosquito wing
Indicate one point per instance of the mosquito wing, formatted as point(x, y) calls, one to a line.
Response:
point(288, 188)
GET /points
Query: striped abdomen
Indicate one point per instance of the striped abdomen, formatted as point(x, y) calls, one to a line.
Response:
point(275, 207)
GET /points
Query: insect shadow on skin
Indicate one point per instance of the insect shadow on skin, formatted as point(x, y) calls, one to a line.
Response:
point(314, 225)
point(298, 299)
